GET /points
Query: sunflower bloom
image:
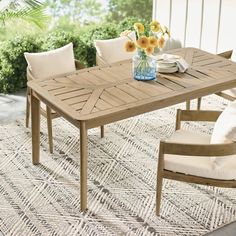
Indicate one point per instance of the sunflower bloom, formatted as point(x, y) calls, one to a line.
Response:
point(130, 46)
point(139, 27)
point(153, 41)
point(149, 50)
point(161, 42)
point(143, 42)
point(155, 26)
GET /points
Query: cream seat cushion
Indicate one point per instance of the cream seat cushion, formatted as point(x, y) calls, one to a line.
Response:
point(197, 165)
point(52, 63)
point(113, 50)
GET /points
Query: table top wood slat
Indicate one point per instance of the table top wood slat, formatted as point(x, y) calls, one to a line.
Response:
point(64, 90)
point(121, 94)
point(198, 74)
point(201, 58)
point(69, 94)
point(103, 75)
point(111, 99)
point(209, 62)
point(91, 101)
point(74, 100)
point(52, 87)
point(168, 83)
point(102, 105)
point(132, 91)
point(183, 79)
point(78, 106)
point(152, 88)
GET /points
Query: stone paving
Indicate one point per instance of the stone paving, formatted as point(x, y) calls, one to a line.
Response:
point(12, 106)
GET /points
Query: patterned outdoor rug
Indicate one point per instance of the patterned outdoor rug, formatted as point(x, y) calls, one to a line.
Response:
point(44, 199)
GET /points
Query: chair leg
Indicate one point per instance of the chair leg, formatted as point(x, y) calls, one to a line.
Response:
point(158, 194)
point(160, 169)
point(49, 124)
point(102, 131)
point(188, 105)
point(199, 100)
point(27, 109)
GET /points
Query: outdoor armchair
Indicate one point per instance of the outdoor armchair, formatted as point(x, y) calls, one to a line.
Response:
point(191, 157)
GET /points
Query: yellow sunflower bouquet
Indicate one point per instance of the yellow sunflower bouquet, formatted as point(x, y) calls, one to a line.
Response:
point(148, 41)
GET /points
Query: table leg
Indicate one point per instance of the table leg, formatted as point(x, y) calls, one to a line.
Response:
point(188, 103)
point(35, 128)
point(83, 165)
point(102, 131)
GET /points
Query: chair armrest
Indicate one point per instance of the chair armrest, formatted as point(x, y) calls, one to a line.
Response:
point(100, 61)
point(198, 149)
point(79, 65)
point(195, 115)
point(226, 54)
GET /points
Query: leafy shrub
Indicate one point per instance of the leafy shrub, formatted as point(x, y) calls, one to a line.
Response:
point(60, 38)
point(128, 24)
point(13, 64)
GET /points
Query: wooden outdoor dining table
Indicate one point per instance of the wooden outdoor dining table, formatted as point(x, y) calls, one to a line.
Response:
point(100, 95)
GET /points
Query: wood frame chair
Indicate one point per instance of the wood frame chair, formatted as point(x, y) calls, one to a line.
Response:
point(207, 150)
point(47, 112)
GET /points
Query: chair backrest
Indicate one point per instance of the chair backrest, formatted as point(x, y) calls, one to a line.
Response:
point(112, 50)
point(51, 63)
point(30, 76)
point(204, 24)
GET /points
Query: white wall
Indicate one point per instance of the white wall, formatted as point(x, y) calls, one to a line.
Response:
point(205, 24)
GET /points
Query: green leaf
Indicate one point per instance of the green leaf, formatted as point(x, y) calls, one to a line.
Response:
point(31, 11)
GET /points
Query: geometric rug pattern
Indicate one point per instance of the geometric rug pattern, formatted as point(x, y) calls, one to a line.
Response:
point(44, 199)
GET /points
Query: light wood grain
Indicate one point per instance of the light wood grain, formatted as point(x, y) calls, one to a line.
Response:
point(186, 150)
point(107, 93)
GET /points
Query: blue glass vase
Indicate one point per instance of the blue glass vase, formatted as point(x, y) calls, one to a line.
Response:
point(143, 67)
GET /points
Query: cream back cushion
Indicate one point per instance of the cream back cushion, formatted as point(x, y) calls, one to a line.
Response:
point(51, 63)
point(225, 130)
point(171, 43)
point(113, 50)
point(233, 56)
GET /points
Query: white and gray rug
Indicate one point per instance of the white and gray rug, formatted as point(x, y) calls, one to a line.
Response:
point(44, 199)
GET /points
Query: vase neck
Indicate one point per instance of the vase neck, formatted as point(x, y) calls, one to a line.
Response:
point(141, 53)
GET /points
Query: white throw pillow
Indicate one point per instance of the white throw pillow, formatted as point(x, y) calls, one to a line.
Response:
point(233, 56)
point(113, 50)
point(51, 63)
point(224, 130)
point(171, 43)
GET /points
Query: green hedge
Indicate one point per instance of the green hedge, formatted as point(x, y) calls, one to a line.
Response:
point(13, 64)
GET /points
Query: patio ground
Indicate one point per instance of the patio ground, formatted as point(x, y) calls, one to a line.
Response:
point(12, 107)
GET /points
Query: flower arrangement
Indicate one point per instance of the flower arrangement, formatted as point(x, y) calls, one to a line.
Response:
point(146, 43)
